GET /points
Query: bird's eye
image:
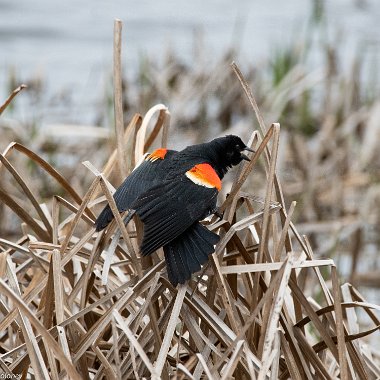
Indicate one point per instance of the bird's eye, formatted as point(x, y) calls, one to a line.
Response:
point(237, 146)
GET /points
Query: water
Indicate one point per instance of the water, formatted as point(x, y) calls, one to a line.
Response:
point(69, 44)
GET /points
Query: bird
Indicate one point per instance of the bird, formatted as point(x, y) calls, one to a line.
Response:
point(171, 192)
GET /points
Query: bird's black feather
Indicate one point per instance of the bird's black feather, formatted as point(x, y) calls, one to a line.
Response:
point(188, 252)
point(169, 209)
point(171, 194)
point(146, 175)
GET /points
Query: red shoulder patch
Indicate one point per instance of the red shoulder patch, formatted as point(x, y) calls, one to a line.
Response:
point(204, 175)
point(158, 154)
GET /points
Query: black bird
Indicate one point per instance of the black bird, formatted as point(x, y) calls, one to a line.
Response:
point(171, 192)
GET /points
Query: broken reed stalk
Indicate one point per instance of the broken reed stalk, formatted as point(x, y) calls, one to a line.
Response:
point(64, 298)
point(11, 96)
point(118, 98)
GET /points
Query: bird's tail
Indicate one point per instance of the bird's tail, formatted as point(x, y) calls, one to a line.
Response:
point(185, 254)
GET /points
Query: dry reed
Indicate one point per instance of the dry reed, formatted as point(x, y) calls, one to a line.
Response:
point(83, 305)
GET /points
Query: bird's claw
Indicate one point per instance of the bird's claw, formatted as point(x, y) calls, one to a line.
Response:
point(217, 212)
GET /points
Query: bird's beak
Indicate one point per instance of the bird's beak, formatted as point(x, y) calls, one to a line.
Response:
point(244, 157)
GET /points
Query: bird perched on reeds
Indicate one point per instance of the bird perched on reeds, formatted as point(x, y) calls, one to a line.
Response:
point(171, 192)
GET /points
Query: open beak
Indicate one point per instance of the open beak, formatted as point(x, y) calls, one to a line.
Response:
point(244, 156)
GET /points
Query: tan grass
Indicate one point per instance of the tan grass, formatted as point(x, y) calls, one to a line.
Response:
point(83, 305)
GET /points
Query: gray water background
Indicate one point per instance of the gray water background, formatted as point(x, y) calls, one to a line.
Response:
point(69, 43)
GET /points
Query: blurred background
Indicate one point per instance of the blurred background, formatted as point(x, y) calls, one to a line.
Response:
point(313, 66)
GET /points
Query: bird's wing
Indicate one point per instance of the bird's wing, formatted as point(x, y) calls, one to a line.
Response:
point(170, 208)
point(149, 173)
